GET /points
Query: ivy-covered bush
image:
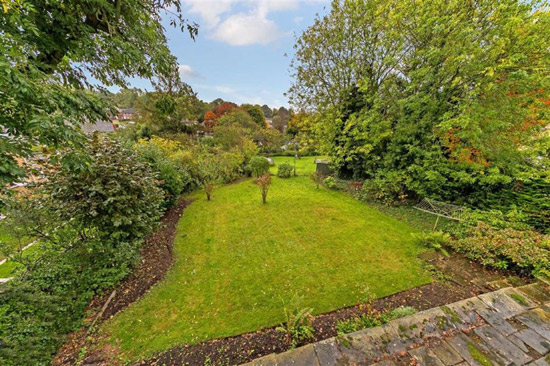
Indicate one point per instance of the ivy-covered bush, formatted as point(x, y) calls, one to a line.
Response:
point(258, 165)
point(285, 170)
point(525, 251)
point(96, 210)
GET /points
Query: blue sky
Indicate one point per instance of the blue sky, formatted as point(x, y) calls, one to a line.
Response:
point(239, 54)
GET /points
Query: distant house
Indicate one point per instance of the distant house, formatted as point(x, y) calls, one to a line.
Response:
point(269, 122)
point(127, 114)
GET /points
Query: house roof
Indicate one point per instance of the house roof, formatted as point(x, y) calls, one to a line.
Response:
point(99, 126)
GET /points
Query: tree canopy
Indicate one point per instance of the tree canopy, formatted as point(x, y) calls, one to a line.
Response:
point(449, 95)
point(49, 50)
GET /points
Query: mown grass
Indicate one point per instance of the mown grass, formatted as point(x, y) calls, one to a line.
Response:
point(237, 261)
point(304, 165)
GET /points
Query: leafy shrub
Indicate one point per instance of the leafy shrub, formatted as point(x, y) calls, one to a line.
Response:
point(297, 326)
point(208, 173)
point(285, 170)
point(165, 159)
point(387, 187)
point(437, 240)
point(96, 215)
point(526, 251)
point(330, 182)
point(258, 165)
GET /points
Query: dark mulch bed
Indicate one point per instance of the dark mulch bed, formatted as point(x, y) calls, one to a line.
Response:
point(464, 279)
point(156, 260)
point(156, 254)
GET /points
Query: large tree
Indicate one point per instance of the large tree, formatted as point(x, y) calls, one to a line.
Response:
point(280, 119)
point(449, 95)
point(49, 49)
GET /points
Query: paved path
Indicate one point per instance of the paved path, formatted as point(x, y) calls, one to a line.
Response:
point(510, 326)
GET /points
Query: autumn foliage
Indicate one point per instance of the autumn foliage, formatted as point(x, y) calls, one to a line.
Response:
point(211, 117)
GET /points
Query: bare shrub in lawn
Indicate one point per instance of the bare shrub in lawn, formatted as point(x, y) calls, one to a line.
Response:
point(208, 175)
point(264, 181)
point(317, 178)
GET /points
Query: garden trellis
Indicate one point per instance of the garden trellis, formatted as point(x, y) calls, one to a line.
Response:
point(440, 209)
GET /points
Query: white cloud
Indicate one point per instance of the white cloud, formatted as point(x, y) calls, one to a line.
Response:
point(246, 29)
point(186, 72)
point(251, 26)
point(225, 89)
point(209, 10)
point(298, 20)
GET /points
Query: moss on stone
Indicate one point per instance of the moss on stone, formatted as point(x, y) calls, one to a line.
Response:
point(479, 356)
point(520, 299)
point(454, 316)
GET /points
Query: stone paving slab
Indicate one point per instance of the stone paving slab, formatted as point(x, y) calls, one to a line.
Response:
point(535, 292)
point(508, 327)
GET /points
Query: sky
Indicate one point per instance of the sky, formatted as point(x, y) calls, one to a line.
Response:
point(243, 50)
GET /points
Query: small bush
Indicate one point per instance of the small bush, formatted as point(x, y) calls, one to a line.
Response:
point(330, 182)
point(297, 326)
point(437, 240)
point(258, 165)
point(285, 170)
point(388, 188)
point(526, 251)
point(174, 175)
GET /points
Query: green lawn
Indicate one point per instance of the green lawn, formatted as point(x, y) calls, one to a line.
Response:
point(304, 165)
point(238, 260)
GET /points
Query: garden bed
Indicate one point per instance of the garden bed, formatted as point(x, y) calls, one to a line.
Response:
point(156, 259)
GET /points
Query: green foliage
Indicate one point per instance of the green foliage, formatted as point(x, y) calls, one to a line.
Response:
point(257, 114)
point(437, 240)
point(297, 325)
point(164, 157)
point(444, 111)
point(281, 118)
point(285, 170)
point(387, 187)
point(48, 54)
point(372, 320)
point(209, 173)
point(91, 221)
point(258, 166)
point(330, 182)
point(268, 112)
point(525, 251)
